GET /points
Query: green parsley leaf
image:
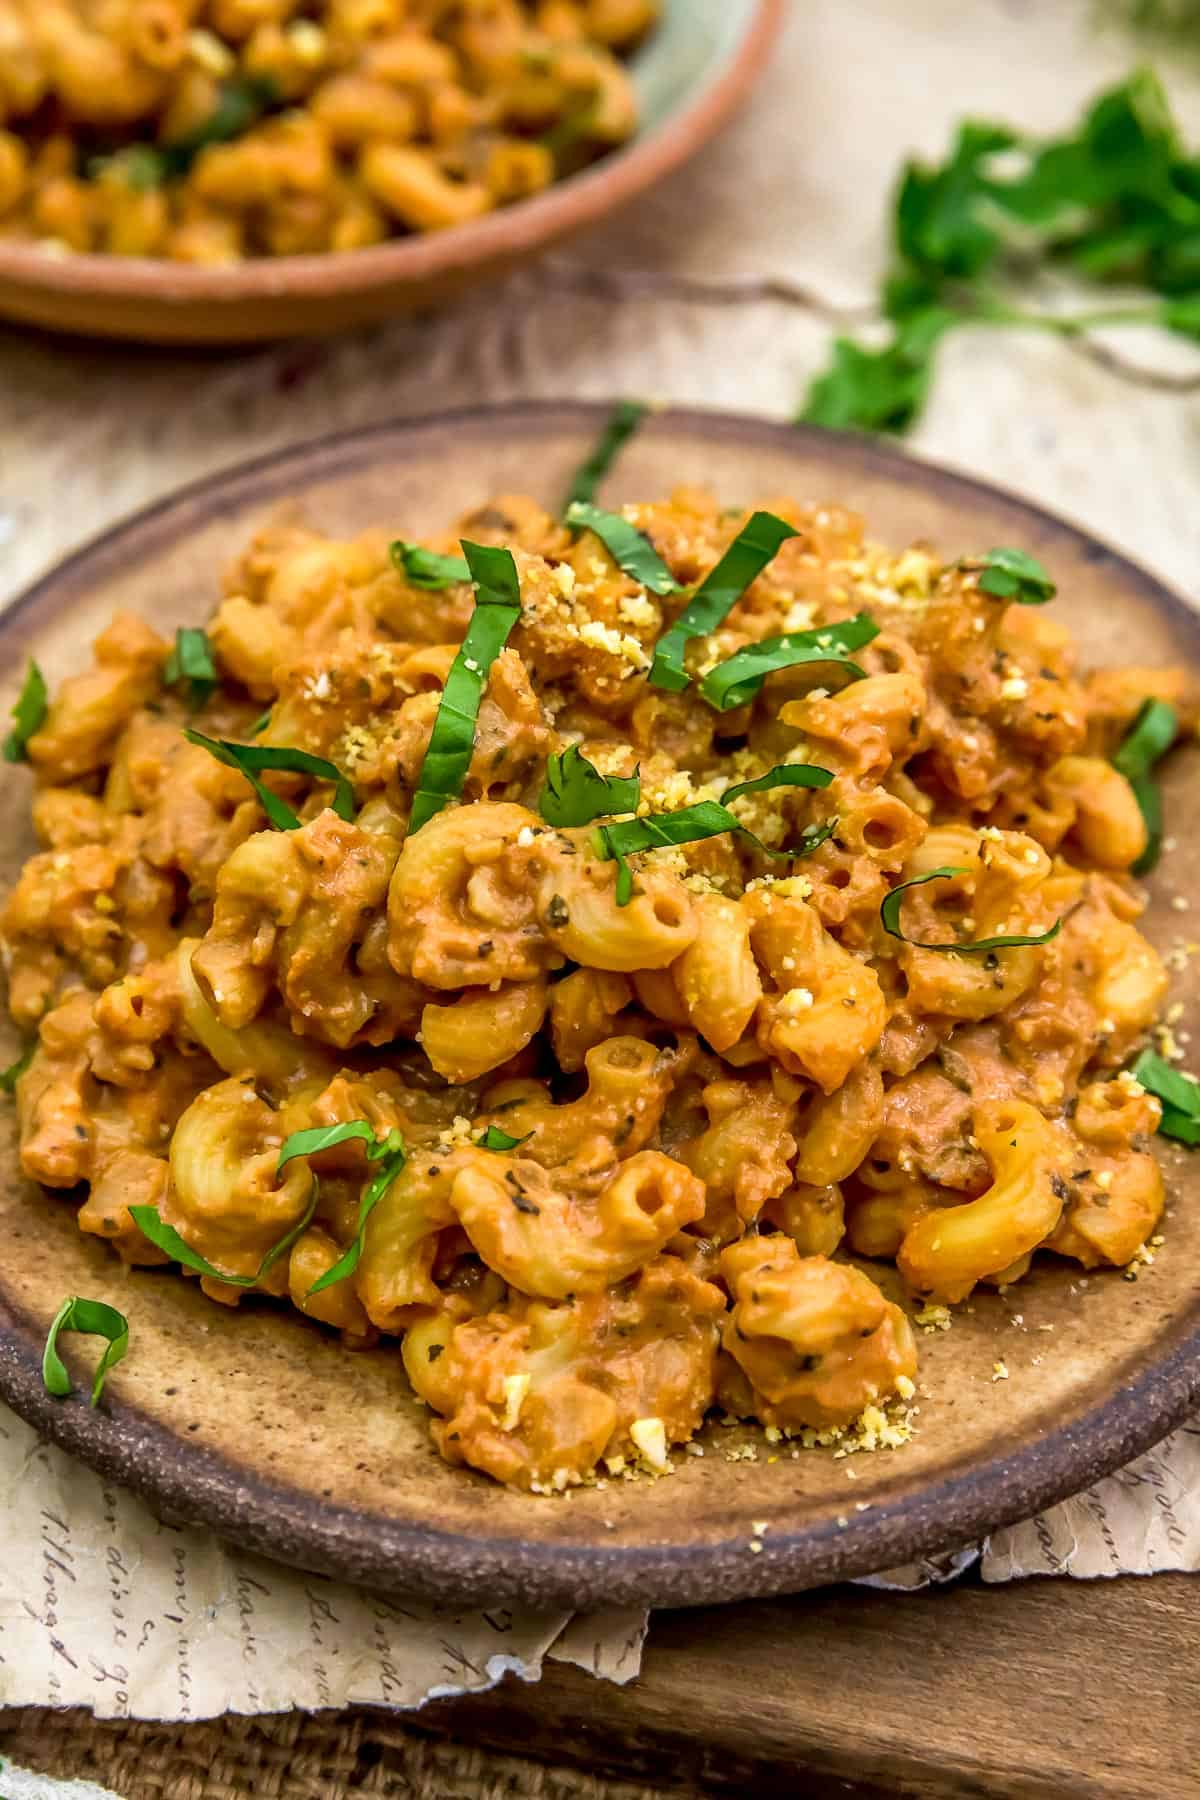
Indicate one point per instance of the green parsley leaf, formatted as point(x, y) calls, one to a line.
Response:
point(1180, 1097)
point(939, 221)
point(1149, 738)
point(740, 677)
point(1015, 575)
point(28, 714)
point(9, 1077)
point(448, 756)
point(813, 836)
point(630, 548)
point(624, 420)
point(191, 660)
point(576, 792)
point(879, 390)
point(249, 759)
point(389, 1152)
point(755, 545)
point(425, 568)
point(96, 1319)
point(495, 1139)
point(889, 913)
point(166, 1238)
point(260, 724)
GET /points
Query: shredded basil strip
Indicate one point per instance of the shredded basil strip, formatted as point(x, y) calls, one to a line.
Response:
point(9, 1077)
point(96, 1319)
point(191, 660)
point(248, 759)
point(241, 102)
point(804, 775)
point(576, 792)
point(389, 1152)
point(448, 756)
point(630, 548)
point(624, 420)
point(28, 714)
point(740, 677)
point(889, 913)
point(1180, 1097)
point(167, 1239)
point(425, 568)
point(495, 1139)
point(707, 818)
point(751, 550)
point(1149, 738)
point(1015, 575)
point(260, 724)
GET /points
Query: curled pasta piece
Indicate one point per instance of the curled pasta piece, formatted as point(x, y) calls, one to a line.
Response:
point(813, 1217)
point(224, 1199)
point(481, 1029)
point(828, 1011)
point(266, 1047)
point(86, 715)
point(549, 1241)
point(1107, 819)
point(744, 1155)
point(536, 1394)
point(584, 1010)
point(717, 977)
point(945, 1252)
point(628, 1081)
point(461, 912)
point(816, 1340)
point(1115, 1194)
point(577, 905)
point(836, 1130)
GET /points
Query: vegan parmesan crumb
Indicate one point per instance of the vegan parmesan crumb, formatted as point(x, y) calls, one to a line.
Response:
point(1000, 1371)
point(650, 1438)
point(933, 1316)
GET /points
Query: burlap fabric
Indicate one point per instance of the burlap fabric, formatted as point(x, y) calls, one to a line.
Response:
point(358, 1755)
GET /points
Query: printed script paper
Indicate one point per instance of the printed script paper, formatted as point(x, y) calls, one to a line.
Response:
point(103, 1606)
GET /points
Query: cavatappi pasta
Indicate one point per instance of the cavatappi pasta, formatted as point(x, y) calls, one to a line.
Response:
point(206, 131)
point(645, 1143)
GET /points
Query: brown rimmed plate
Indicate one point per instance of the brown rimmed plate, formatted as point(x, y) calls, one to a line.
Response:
point(692, 72)
point(256, 1423)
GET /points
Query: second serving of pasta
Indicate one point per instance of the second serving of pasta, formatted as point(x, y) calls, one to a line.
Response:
point(591, 1004)
point(208, 131)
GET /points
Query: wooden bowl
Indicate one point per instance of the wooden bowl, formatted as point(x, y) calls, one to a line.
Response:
point(691, 74)
point(258, 1424)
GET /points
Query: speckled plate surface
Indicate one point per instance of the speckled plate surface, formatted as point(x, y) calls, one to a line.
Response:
point(257, 1424)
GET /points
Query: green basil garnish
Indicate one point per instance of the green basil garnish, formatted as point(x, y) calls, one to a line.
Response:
point(191, 660)
point(425, 568)
point(248, 759)
point(495, 1139)
point(260, 724)
point(1180, 1097)
point(751, 550)
point(1015, 575)
point(389, 1152)
point(1149, 738)
point(812, 837)
point(630, 548)
point(448, 756)
point(889, 913)
point(241, 102)
point(576, 792)
point(740, 677)
point(9, 1077)
point(96, 1319)
point(804, 775)
point(166, 1238)
point(28, 713)
point(623, 422)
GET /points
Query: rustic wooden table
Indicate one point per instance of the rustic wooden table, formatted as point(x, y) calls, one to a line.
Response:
point(722, 290)
point(1038, 1690)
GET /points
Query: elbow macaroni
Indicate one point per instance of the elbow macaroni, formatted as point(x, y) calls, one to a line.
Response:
point(641, 1140)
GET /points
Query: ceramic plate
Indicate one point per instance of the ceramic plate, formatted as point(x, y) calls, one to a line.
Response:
point(689, 75)
point(259, 1425)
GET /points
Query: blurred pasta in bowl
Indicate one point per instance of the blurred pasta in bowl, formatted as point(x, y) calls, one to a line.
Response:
point(635, 960)
point(207, 138)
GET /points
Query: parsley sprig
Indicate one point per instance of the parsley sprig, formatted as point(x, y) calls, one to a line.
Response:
point(96, 1319)
point(1149, 738)
point(1117, 200)
point(1180, 1097)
